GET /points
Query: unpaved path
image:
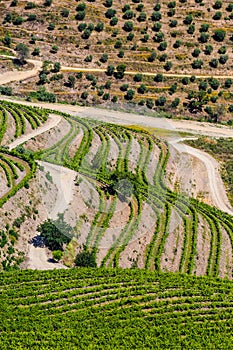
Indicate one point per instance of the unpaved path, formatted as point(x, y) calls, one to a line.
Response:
point(53, 120)
point(150, 74)
point(64, 180)
point(16, 75)
point(117, 117)
point(218, 192)
point(38, 260)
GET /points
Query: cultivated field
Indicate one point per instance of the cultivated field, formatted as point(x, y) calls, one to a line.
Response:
point(114, 309)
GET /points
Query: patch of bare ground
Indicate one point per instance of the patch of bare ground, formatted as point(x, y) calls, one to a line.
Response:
point(75, 143)
point(116, 225)
point(134, 155)
point(113, 153)
point(134, 253)
point(3, 183)
point(203, 247)
point(95, 144)
point(50, 137)
point(187, 174)
point(25, 203)
point(154, 157)
point(9, 135)
point(225, 266)
point(79, 214)
point(170, 259)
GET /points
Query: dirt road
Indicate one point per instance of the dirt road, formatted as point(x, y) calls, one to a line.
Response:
point(64, 179)
point(118, 117)
point(16, 75)
point(38, 260)
point(217, 188)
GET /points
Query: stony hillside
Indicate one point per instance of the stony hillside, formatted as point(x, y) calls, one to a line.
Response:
point(185, 45)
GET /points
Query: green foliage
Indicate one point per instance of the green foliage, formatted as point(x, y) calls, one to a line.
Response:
point(55, 233)
point(57, 255)
point(86, 258)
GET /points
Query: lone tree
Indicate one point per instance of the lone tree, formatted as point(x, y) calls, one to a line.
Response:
point(23, 52)
point(55, 233)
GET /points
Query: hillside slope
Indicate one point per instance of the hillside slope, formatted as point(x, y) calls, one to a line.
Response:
point(191, 40)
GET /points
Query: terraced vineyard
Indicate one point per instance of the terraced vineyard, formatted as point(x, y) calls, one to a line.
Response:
point(114, 309)
point(16, 166)
point(124, 169)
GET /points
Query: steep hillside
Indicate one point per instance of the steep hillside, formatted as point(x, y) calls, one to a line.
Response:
point(112, 194)
point(185, 47)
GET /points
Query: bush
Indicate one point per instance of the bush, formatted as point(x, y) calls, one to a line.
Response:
point(208, 49)
point(204, 28)
point(110, 13)
point(6, 90)
point(104, 58)
point(175, 103)
point(223, 59)
point(173, 23)
point(130, 36)
point(80, 16)
point(161, 101)
point(65, 12)
point(214, 63)
point(108, 3)
point(128, 26)
point(110, 70)
point(150, 103)
point(217, 5)
point(30, 5)
point(197, 64)
point(152, 57)
point(188, 19)
point(228, 83)
point(219, 35)
point(217, 16)
point(158, 78)
point(142, 89)
point(214, 83)
point(124, 87)
point(48, 3)
point(55, 233)
point(142, 17)
point(81, 7)
point(138, 77)
point(86, 258)
point(204, 37)
point(191, 29)
point(99, 27)
point(57, 255)
point(129, 14)
point(196, 52)
point(156, 16)
point(130, 94)
point(114, 21)
point(168, 65)
point(162, 46)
